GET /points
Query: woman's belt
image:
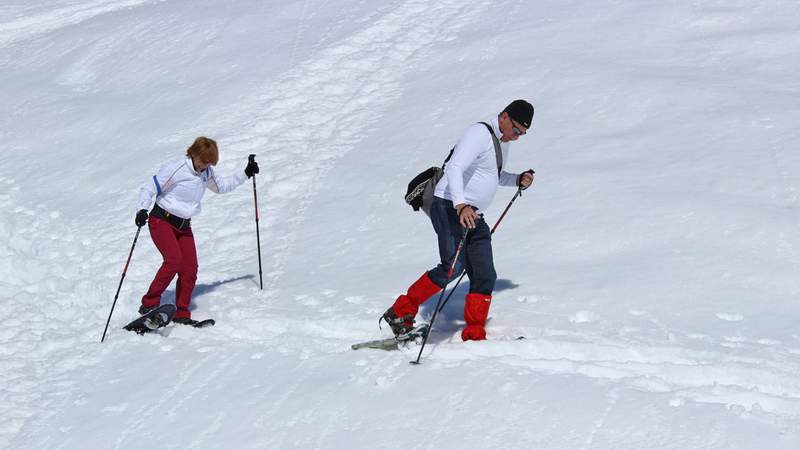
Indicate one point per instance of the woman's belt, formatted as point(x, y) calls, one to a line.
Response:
point(177, 222)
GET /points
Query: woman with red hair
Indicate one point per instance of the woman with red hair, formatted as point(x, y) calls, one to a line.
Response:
point(178, 187)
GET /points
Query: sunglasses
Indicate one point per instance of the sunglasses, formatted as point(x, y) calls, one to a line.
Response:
point(516, 129)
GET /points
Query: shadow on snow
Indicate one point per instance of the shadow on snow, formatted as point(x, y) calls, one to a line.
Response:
point(451, 319)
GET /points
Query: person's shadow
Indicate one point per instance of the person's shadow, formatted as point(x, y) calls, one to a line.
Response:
point(451, 318)
point(199, 290)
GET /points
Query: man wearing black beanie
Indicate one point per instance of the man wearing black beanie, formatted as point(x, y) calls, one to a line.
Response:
point(467, 188)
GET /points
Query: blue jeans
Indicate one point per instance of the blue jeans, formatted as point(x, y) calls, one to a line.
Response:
point(476, 256)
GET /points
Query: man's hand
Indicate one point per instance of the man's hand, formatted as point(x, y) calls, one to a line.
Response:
point(466, 215)
point(525, 179)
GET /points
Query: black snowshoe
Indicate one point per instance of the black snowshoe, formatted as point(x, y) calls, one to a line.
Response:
point(152, 320)
point(194, 323)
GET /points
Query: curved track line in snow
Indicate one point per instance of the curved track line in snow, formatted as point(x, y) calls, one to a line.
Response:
point(298, 32)
point(597, 425)
point(700, 376)
point(26, 27)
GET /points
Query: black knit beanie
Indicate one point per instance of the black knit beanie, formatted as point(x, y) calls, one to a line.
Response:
point(521, 111)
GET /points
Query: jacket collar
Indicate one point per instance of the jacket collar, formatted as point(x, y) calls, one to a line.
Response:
point(190, 165)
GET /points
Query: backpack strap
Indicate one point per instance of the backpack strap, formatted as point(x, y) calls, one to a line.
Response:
point(450, 155)
point(498, 154)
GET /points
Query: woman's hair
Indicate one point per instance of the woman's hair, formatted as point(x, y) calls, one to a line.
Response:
point(205, 149)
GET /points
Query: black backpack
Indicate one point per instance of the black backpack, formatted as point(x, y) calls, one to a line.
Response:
point(420, 190)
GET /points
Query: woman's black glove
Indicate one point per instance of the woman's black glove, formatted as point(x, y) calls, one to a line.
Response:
point(522, 179)
point(141, 218)
point(251, 169)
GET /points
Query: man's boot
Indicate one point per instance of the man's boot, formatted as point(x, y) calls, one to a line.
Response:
point(476, 310)
point(405, 308)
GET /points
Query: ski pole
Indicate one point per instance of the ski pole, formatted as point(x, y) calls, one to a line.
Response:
point(505, 211)
point(519, 193)
point(124, 271)
point(435, 311)
point(252, 158)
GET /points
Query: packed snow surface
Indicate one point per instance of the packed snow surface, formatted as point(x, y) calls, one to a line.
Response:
point(653, 268)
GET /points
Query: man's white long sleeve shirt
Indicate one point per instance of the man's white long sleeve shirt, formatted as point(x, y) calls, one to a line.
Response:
point(471, 176)
point(179, 188)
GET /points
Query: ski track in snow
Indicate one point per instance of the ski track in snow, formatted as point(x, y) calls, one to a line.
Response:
point(613, 397)
point(29, 26)
point(337, 93)
point(700, 376)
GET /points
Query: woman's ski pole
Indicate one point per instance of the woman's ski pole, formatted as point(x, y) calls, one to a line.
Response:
point(252, 158)
point(124, 271)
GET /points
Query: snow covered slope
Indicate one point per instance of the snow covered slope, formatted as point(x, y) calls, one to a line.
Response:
point(652, 268)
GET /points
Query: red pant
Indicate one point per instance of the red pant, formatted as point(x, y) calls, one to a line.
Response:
point(180, 257)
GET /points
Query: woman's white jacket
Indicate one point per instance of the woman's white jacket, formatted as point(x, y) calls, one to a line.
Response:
point(179, 189)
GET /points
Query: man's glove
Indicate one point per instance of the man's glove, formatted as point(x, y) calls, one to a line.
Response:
point(251, 169)
point(141, 218)
point(519, 179)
